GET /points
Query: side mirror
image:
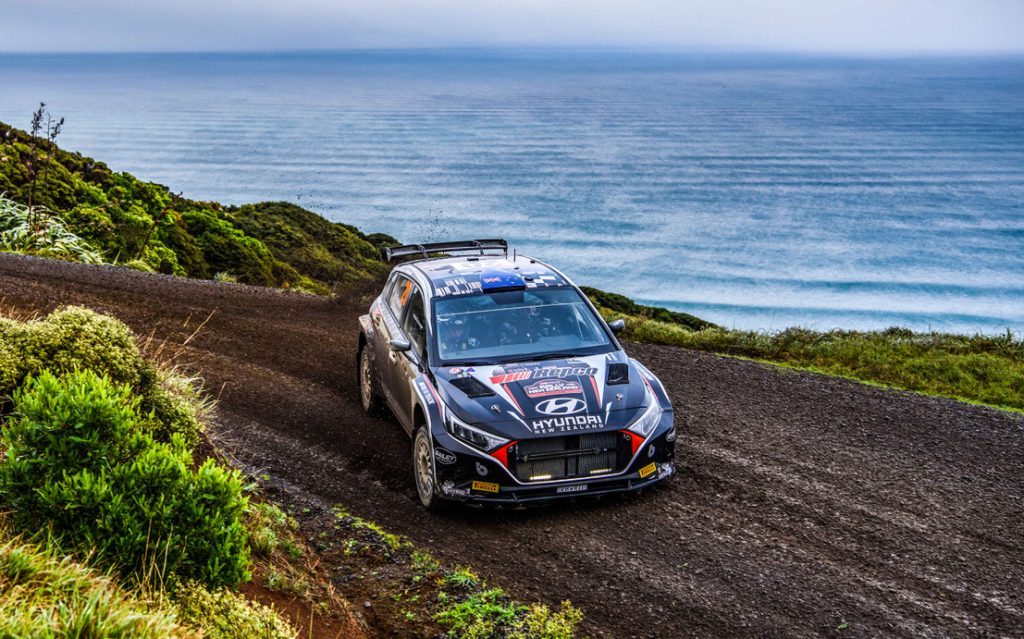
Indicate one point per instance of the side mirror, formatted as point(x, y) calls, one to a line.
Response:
point(400, 344)
point(617, 326)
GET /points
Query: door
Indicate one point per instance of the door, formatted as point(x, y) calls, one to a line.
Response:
point(406, 366)
point(387, 325)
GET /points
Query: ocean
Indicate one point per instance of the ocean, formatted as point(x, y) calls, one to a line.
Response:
point(756, 192)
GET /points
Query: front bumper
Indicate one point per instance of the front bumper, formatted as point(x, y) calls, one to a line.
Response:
point(467, 475)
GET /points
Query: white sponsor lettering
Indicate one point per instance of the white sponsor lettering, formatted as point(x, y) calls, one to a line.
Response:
point(500, 377)
point(548, 387)
point(578, 488)
point(566, 424)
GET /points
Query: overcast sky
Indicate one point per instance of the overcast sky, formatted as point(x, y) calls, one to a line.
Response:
point(842, 26)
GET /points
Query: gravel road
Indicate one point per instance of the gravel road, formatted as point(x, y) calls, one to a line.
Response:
point(804, 505)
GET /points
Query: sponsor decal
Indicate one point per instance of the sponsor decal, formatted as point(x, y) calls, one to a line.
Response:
point(485, 486)
point(481, 469)
point(444, 456)
point(566, 424)
point(507, 378)
point(456, 286)
point(448, 488)
point(552, 386)
point(647, 470)
point(428, 395)
point(499, 376)
point(561, 406)
point(454, 371)
point(577, 488)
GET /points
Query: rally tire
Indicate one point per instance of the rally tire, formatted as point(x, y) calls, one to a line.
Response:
point(368, 396)
point(423, 472)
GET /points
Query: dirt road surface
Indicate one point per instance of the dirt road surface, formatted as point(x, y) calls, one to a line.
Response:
point(804, 505)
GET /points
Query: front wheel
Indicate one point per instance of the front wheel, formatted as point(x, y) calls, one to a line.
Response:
point(423, 471)
point(371, 402)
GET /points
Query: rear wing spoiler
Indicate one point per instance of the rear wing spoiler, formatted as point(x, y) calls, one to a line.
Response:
point(424, 250)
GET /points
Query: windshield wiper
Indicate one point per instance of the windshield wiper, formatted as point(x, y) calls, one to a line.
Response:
point(541, 358)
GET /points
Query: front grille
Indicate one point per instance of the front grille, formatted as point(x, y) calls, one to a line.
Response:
point(572, 456)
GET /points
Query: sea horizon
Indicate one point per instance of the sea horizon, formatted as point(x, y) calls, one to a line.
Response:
point(754, 190)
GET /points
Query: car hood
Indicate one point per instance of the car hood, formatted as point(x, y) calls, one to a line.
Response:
point(542, 399)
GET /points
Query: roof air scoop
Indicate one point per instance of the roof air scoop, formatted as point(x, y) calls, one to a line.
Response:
point(495, 281)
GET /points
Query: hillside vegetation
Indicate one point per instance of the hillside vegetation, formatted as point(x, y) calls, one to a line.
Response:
point(981, 368)
point(145, 225)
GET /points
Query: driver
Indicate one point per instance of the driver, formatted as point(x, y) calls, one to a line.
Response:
point(453, 339)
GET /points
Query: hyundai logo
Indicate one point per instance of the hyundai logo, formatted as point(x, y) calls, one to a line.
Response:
point(561, 406)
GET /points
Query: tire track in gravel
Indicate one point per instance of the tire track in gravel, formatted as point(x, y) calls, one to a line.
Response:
point(804, 505)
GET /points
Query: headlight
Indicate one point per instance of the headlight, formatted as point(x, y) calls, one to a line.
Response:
point(472, 436)
point(648, 421)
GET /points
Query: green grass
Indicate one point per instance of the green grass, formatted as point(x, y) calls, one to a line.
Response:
point(224, 614)
point(981, 369)
point(48, 596)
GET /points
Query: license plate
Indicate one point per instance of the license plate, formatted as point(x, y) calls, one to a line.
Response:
point(579, 488)
point(647, 470)
point(485, 486)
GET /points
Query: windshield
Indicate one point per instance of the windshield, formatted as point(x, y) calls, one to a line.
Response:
point(511, 325)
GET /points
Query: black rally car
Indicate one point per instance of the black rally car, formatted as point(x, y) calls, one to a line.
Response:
point(512, 386)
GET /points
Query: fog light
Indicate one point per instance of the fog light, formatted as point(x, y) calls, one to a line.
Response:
point(598, 471)
point(539, 477)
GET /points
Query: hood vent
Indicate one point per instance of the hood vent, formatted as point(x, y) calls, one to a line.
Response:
point(618, 373)
point(471, 386)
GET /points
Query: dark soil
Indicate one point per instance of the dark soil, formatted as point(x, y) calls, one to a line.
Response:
point(804, 505)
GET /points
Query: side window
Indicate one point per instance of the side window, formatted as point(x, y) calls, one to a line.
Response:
point(416, 323)
point(399, 295)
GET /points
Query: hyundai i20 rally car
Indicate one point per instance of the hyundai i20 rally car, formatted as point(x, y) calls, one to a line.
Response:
point(512, 386)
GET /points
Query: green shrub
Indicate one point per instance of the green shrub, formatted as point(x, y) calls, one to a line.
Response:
point(140, 265)
point(11, 365)
point(541, 623)
point(223, 614)
point(481, 615)
point(43, 596)
point(79, 461)
point(76, 338)
point(477, 612)
point(314, 248)
point(172, 413)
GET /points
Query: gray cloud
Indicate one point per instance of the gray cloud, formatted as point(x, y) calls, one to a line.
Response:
point(842, 26)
